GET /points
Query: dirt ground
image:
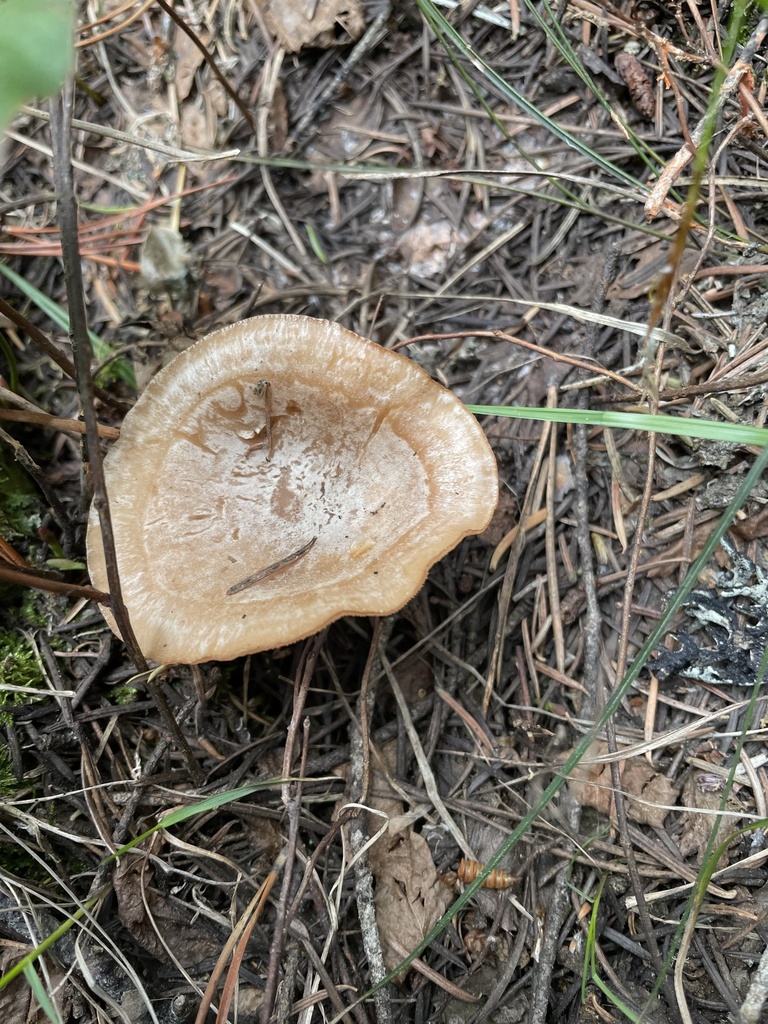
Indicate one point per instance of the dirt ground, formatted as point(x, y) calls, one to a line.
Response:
point(498, 193)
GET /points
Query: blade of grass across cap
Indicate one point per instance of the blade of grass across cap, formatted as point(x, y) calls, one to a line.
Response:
point(678, 426)
point(612, 705)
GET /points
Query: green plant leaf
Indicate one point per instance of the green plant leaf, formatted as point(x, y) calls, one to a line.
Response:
point(41, 995)
point(118, 367)
point(678, 426)
point(36, 51)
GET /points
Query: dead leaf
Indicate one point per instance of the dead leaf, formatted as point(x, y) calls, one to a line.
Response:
point(753, 526)
point(653, 788)
point(197, 130)
point(144, 912)
point(409, 898)
point(591, 785)
point(188, 60)
point(504, 518)
point(300, 23)
point(18, 1005)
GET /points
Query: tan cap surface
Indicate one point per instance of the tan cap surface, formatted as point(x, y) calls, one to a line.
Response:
point(374, 465)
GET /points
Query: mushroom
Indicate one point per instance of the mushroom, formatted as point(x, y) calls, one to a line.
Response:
point(277, 475)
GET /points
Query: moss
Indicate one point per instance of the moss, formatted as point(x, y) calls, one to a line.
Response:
point(24, 608)
point(8, 782)
point(125, 694)
point(18, 667)
point(32, 611)
point(20, 503)
point(17, 862)
point(21, 510)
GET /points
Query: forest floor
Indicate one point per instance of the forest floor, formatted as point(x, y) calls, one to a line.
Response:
point(478, 188)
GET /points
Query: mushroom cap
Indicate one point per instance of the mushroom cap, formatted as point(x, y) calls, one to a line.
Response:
point(377, 468)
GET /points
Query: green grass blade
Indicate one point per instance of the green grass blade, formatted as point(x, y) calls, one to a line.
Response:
point(201, 807)
point(36, 51)
point(678, 426)
point(210, 803)
point(442, 27)
point(554, 32)
point(26, 963)
point(119, 367)
point(41, 995)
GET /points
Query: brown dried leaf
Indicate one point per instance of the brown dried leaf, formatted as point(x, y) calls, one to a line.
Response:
point(188, 60)
point(144, 912)
point(753, 526)
point(18, 1005)
point(590, 783)
point(299, 23)
point(197, 129)
point(409, 896)
point(653, 788)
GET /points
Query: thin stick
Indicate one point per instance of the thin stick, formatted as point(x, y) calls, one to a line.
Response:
point(25, 578)
point(57, 509)
point(270, 570)
point(268, 417)
point(61, 116)
point(44, 419)
point(359, 782)
point(291, 794)
point(549, 541)
point(427, 774)
point(61, 113)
